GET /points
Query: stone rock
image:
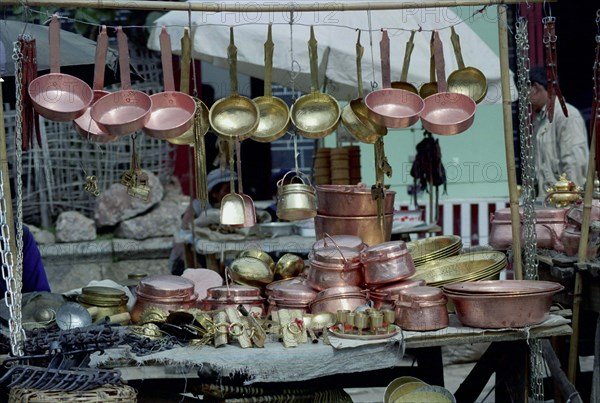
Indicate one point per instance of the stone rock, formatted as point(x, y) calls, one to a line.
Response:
point(162, 221)
point(115, 205)
point(72, 226)
point(41, 236)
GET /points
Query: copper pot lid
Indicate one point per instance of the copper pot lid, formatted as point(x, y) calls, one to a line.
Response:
point(290, 302)
point(346, 241)
point(105, 296)
point(383, 251)
point(360, 296)
point(421, 294)
point(396, 288)
point(335, 255)
point(229, 292)
point(165, 286)
point(295, 288)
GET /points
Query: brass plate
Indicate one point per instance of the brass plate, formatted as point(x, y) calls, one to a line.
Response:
point(459, 267)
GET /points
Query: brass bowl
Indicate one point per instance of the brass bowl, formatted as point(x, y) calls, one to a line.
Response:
point(289, 265)
point(437, 247)
point(250, 271)
point(260, 255)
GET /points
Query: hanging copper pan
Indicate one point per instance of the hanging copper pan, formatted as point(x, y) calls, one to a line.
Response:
point(274, 112)
point(85, 125)
point(172, 111)
point(355, 115)
point(446, 113)
point(126, 111)
point(55, 96)
point(316, 114)
point(392, 107)
point(235, 116)
point(403, 84)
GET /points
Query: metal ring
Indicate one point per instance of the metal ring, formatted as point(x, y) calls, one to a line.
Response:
point(233, 326)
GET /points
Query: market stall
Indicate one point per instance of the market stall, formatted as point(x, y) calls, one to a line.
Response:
point(332, 301)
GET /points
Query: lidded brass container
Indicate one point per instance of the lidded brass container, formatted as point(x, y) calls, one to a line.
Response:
point(109, 301)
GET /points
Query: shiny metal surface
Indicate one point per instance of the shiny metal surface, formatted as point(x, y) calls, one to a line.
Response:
point(296, 201)
point(315, 114)
point(165, 286)
point(394, 108)
point(506, 287)
point(448, 113)
point(172, 111)
point(365, 227)
point(321, 277)
point(350, 201)
point(403, 84)
point(274, 112)
point(250, 271)
point(236, 116)
point(468, 81)
point(55, 96)
point(502, 311)
point(335, 303)
point(289, 265)
point(422, 308)
point(126, 111)
point(261, 255)
point(226, 292)
point(233, 210)
point(347, 241)
point(387, 262)
point(355, 117)
point(433, 248)
point(292, 289)
point(172, 114)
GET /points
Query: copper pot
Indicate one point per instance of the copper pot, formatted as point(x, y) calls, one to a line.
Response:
point(571, 237)
point(338, 298)
point(383, 297)
point(350, 201)
point(422, 308)
point(367, 228)
point(230, 296)
point(292, 289)
point(550, 223)
point(163, 292)
point(334, 266)
point(386, 263)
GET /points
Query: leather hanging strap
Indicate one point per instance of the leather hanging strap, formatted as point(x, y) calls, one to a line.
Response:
point(554, 91)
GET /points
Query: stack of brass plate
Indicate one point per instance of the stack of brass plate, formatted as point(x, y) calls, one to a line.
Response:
point(434, 248)
point(466, 267)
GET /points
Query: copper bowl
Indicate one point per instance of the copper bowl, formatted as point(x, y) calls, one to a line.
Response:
point(350, 201)
point(498, 311)
point(333, 303)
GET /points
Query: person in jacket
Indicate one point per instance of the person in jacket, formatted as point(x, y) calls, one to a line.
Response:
point(561, 146)
point(34, 274)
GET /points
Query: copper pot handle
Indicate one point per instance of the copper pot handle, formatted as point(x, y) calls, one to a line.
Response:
point(326, 235)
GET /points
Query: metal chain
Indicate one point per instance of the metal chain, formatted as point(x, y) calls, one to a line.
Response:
point(528, 181)
point(12, 270)
point(530, 261)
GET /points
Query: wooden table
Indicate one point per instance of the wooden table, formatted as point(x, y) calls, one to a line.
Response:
point(507, 356)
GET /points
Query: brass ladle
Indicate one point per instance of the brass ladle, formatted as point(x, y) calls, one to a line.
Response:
point(468, 81)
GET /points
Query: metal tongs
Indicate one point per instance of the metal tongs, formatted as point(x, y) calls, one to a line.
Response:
point(549, 40)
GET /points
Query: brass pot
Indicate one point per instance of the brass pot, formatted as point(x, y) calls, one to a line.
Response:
point(260, 255)
point(108, 301)
point(250, 271)
point(296, 201)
